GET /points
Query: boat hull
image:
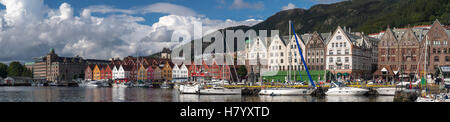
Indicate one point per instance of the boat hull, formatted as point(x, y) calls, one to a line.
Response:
point(346, 91)
point(220, 91)
point(286, 92)
point(386, 91)
point(188, 89)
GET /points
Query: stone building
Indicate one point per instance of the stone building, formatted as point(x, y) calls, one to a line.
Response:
point(54, 68)
point(438, 38)
point(315, 51)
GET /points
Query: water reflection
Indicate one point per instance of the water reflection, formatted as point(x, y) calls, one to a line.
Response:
point(76, 94)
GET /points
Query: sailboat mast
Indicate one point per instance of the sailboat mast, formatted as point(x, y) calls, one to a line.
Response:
point(303, 59)
point(290, 54)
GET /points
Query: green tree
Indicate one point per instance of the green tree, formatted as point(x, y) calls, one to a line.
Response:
point(15, 69)
point(3, 70)
point(27, 73)
point(242, 71)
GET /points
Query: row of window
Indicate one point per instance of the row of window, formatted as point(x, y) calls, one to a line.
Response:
point(340, 44)
point(339, 52)
point(438, 50)
point(315, 53)
point(339, 67)
point(338, 59)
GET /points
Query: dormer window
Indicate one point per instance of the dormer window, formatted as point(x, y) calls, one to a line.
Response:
point(339, 37)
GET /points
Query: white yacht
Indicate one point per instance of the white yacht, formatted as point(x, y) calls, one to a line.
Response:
point(285, 91)
point(345, 91)
point(92, 84)
point(443, 97)
point(388, 91)
point(165, 85)
point(220, 91)
point(119, 85)
point(189, 88)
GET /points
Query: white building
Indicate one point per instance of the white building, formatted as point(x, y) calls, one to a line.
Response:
point(180, 73)
point(294, 58)
point(175, 71)
point(350, 54)
point(115, 73)
point(277, 54)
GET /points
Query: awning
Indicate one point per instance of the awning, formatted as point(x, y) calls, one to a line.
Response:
point(339, 74)
point(345, 74)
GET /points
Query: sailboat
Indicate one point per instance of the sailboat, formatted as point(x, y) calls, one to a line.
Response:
point(285, 91)
point(289, 91)
point(220, 90)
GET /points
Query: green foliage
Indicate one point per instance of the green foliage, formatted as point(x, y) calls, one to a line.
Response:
point(27, 73)
point(369, 16)
point(242, 72)
point(15, 69)
point(3, 70)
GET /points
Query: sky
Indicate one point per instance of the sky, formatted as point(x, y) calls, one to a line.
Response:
point(101, 29)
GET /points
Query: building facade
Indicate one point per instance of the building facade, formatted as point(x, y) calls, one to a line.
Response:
point(346, 51)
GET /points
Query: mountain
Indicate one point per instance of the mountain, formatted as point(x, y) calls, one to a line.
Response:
point(369, 16)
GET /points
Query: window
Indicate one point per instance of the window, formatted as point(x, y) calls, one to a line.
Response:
point(439, 51)
point(345, 44)
point(434, 50)
point(437, 42)
point(338, 52)
point(331, 59)
point(436, 58)
point(338, 37)
point(447, 58)
point(340, 44)
point(347, 52)
point(338, 59)
point(281, 53)
point(413, 67)
point(347, 67)
point(332, 44)
point(330, 67)
point(347, 59)
point(330, 52)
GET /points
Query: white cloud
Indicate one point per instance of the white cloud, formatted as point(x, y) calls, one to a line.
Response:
point(168, 8)
point(289, 6)
point(108, 9)
point(241, 4)
point(86, 35)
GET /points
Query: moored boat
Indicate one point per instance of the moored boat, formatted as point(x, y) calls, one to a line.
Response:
point(346, 91)
point(189, 88)
point(389, 91)
point(220, 91)
point(285, 91)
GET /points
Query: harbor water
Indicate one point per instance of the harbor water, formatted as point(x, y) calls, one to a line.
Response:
point(80, 94)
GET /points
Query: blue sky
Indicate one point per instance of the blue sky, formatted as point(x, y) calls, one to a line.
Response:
point(213, 9)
